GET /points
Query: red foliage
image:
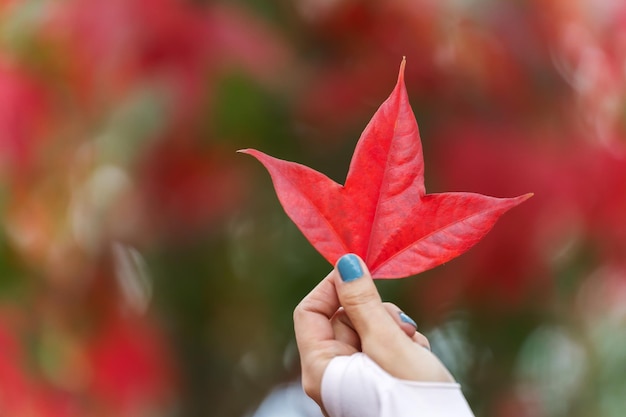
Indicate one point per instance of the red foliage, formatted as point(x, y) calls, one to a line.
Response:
point(111, 47)
point(515, 97)
point(24, 108)
point(382, 213)
point(193, 186)
point(130, 367)
point(575, 203)
point(122, 371)
point(361, 38)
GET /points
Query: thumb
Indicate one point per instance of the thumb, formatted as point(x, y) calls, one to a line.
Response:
point(382, 339)
point(360, 299)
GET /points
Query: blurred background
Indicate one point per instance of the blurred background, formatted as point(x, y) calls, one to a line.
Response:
point(146, 269)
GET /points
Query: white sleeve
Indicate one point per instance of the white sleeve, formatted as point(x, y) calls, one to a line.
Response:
point(355, 386)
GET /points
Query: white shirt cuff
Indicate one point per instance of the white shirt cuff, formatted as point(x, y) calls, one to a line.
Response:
point(355, 386)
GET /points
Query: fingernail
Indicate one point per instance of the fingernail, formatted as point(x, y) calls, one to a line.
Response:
point(349, 268)
point(407, 319)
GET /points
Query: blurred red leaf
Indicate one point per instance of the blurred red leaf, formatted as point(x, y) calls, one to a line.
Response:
point(22, 390)
point(240, 39)
point(23, 111)
point(193, 186)
point(13, 384)
point(124, 369)
point(130, 365)
point(519, 259)
point(383, 213)
point(109, 48)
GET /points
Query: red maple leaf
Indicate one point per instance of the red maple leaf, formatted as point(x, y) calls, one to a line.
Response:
point(383, 213)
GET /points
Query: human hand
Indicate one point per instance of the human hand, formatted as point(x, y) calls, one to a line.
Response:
point(343, 315)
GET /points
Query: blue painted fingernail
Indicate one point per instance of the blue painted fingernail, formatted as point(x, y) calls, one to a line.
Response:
point(349, 268)
point(407, 319)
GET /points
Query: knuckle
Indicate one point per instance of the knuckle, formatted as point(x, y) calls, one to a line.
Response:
point(359, 298)
point(299, 311)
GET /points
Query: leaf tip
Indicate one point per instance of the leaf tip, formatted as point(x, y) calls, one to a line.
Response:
point(525, 197)
point(253, 152)
point(249, 151)
point(401, 73)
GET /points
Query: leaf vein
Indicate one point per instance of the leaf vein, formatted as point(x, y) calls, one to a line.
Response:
point(443, 229)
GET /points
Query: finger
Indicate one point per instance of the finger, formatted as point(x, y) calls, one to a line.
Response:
point(345, 333)
point(312, 315)
point(406, 323)
point(344, 330)
point(421, 340)
point(360, 299)
point(315, 335)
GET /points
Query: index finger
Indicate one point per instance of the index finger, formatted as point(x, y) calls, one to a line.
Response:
point(312, 316)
